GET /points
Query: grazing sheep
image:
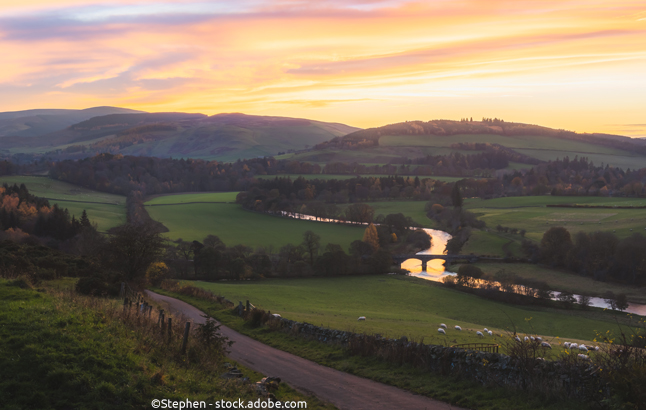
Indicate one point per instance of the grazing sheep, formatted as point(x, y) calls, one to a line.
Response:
point(540, 339)
point(457, 327)
point(526, 339)
point(442, 325)
point(566, 345)
point(517, 338)
point(546, 345)
point(583, 356)
point(583, 348)
point(596, 348)
point(532, 338)
point(441, 331)
point(276, 315)
point(490, 332)
point(574, 346)
point(478, 333)
point(486, 330)
point(362, 318)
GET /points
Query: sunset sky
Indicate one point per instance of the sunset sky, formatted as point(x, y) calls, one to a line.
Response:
point(578, 65)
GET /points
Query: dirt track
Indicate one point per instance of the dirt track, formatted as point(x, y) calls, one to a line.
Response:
point(345, 391)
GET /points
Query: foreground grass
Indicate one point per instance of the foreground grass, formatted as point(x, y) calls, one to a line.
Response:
point(234, 225)
point(412, 307)
point(107, 210)
point(451, 390)
point(62, 352)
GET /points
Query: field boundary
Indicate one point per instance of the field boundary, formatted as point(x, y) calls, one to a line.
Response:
point(189, 203)
point(81, 202)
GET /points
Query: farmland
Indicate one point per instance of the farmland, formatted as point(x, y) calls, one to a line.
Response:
point(234, 225)
point(397, 306)
point(348, 176)
point(107, 210)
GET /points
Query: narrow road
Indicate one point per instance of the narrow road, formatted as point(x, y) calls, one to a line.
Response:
point(345, 391)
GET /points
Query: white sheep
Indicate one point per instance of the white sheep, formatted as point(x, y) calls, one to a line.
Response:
point(526, 339)
point(362, 318)
point(532, 338)
point(583, 348)
point(441, 331)
point(490, 332)
point(479, 333)
point(540, 339)
point(275, 315)
point(457, 327)
point(546, 345)
point(596, 348)
point(573, 346)
point(486, 330)
point(566, 345)
point(517, 338)
point(442, 325)
point(583, 356)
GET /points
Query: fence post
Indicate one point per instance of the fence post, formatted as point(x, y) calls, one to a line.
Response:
point(170, 327)
point(163, 323)
point(186, 331)
point(161, 315)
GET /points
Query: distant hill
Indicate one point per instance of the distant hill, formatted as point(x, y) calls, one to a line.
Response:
point(225, 137)
point(33, 123)
point(401, 142)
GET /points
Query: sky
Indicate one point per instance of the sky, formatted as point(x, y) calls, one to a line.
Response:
point(576, 65)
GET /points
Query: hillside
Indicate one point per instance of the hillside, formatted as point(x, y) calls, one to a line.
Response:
point(398, 143)
point(225, 137)
point(34, 123)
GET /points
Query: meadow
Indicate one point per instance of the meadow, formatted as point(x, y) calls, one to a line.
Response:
point(106, 210)
point(531, 214)
point(235, 225)
point(348, 176)
point(406, 306)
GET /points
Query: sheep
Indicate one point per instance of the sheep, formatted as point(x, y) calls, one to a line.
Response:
point(596, 348)
point(362, 318)
point(441, 331)
point(490, 332)
point(532, 338)
point(546, 345)
point(526, 339)
point(457, 327)
point(479, 333)
point(538, 338)
point(566, 345)
point(574, 346)
point(442, 325)
point(276, 315)
point(583, 356)
point(583, 348)
point(517, 338)
point(486, 330)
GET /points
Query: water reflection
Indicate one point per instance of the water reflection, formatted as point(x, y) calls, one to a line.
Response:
point(435, 269)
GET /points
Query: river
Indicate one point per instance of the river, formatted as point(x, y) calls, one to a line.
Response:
point(436, 270)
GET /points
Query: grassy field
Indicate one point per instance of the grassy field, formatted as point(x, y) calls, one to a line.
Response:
point(531, 214)
point(397, 306)
point(107, 210)
point(67, 352)
point(215, 197)
point(234, 225)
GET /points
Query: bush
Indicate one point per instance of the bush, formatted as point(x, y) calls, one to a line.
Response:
point(93, 285)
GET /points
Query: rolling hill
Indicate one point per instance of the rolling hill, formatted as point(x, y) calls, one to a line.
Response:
point(397, 143)
point(225, 137)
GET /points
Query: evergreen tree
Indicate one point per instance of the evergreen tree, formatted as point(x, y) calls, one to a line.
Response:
point(456, 196)
point(85, 221)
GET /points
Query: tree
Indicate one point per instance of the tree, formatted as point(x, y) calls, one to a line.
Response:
point(371, 237)
point(85, 221)
point(555, 245)
point(456, 196)
point(622, 302)
point(156, 272)
point(419, 239)
point(132, 248)
point(311, 243)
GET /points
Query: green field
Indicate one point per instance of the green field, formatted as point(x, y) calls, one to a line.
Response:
point(412, 307)
point(234, 225)
point(215, 197)
point(106, 210)
point(531, 214)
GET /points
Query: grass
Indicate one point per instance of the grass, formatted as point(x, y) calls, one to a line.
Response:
point(563, 280)
point(412, 307)
point(531, 214)
point(63, 351)
point(449, 389)
point(107, 210)
point(234, 225)
point(216, 197)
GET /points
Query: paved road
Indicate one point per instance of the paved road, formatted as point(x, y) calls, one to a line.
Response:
point(345, 391)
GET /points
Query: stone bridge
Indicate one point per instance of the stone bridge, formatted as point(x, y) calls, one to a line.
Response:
point(425, 258)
